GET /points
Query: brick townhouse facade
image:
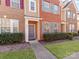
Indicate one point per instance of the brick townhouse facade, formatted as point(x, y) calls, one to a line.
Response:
point(35, 17)
point(32, 17)
point(50, 13)
point(68, 16)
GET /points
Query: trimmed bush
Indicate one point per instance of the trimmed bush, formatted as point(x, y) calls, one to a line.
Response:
point(74, 34)
point(57, 36)
point(10, 38)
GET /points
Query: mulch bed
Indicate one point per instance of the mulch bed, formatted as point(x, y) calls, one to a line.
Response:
point(53, 42)
point(14, 47)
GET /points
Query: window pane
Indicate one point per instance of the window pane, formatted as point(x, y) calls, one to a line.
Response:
point(15, 29)
point(68, 14)
point(45, 6)
point(55, 9)
point(5, 29)
point(15, 3)
point(49, 27)
point(0, 2)
point(32, 4)
point(15, 26)
point(74, 15)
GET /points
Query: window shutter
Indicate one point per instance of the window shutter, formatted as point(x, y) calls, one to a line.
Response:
point(22, 4)
point(7, 2)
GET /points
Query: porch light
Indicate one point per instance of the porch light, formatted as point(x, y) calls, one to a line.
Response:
point(5, 16)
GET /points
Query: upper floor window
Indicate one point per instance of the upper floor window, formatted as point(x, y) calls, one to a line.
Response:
point(0, 2)
point(74, 15)
point(32, 5)
point(55, 9)
point(45, 6)
point(15, 3)
point(68, 14)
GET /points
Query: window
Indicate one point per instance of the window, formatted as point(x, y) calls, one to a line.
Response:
point(45, 6)
point(68, 14)
point(49, 27)
point(0, 2)
point(9, 25)
point(32, 5)
point(71, 28)
point(74, 15)
point(15, 3)
point(15, 26)
point(5, 25)
point(55, 9)
point(53, 27)
point(77, 17)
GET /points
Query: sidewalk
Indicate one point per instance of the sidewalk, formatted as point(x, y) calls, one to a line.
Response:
point(40, 51)
point(73, 56)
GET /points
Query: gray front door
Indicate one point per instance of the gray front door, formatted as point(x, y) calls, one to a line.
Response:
point(32, 33)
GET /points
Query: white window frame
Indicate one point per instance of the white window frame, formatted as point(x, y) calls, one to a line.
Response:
point(30, 5)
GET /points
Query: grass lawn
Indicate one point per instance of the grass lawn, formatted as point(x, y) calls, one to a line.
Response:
point(22, 54)
point(61, 50)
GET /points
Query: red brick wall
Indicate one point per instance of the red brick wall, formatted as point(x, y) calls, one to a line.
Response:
point(47, 16)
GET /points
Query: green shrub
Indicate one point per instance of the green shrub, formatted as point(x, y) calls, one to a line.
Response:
point(10, 38)
point(73, 33)
point(57, 36)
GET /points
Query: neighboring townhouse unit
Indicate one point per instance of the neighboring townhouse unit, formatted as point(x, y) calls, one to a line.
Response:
point(50, 16)
point(32, 20)
point(77, 8)
point(78, 21)
point(68, 16)
point(11, 16)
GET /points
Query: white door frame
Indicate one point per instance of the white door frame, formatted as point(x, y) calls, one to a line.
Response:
point(27, 19)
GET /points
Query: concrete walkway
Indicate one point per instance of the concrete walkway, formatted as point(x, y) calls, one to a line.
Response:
point(73, 56)
point(40, 51)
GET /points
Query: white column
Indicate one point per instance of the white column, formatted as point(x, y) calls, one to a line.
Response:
point(38, 31)
point(26, 30)
point(11, 25)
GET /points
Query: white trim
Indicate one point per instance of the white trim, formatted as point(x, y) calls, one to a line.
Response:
point(26, 30)
point(11, 26)
point(33, 18)
point(38, 30)
point(26, 27)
